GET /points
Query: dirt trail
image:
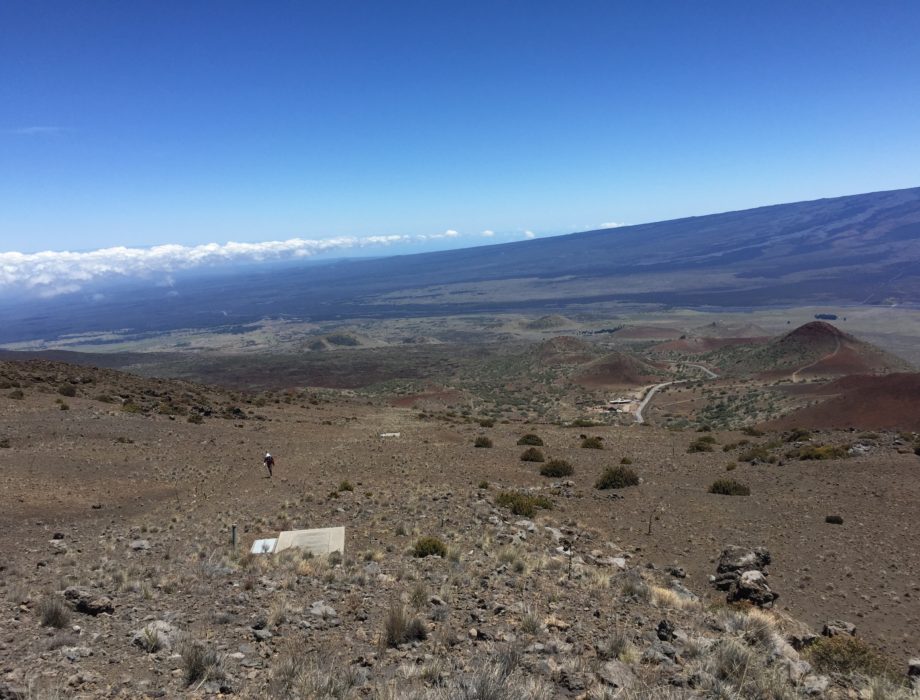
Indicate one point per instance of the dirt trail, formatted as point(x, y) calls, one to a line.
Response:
point(829, 356)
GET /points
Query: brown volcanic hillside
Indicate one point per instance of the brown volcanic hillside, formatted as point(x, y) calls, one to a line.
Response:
point(816, 349)
point(617, 369)
point(564, 350)
point(890, 402)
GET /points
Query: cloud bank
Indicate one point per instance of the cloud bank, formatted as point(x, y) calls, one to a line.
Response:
point(51, 273)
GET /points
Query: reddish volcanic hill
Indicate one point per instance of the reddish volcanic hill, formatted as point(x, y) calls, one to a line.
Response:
point(865, 402)
point(816, 349)
point(564, 350)
point(617, 369)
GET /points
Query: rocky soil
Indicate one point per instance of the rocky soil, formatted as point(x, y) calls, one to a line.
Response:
point(118, 578)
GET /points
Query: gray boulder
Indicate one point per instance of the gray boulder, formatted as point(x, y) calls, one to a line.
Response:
point(88, 602)
point(842, 628)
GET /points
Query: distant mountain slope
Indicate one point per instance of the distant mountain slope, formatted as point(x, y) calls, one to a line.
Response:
point(856, 249)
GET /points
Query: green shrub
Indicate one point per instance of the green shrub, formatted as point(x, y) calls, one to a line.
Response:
point(429, 546)
point(758, 453)
point(483, 484)
point(195, 418)
point(531, 439)
point(626, 460)
point(556, 468)
point(846, 655)
point(702, 444)
point(798, 435)
point(483, 441)
point(729, 487)
point(68, 390)
point(752, 432)
point(16, 394)
point(486, 422)
point(4, 443)
point(618, 477)
point(104, 398)
point(821, 452)
point(532, 454)
point(346, 485)
point(523, 504)
point(593, 443)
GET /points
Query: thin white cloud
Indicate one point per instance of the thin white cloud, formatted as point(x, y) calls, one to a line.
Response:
point(611, 224)
point(488, 233)
point(51, 273)
point(529, 234)
point(37, 130)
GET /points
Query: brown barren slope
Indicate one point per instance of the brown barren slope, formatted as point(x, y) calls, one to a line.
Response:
point(863, 401)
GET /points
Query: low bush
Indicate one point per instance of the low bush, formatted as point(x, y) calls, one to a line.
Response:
point(702, 444)
point(429, 546)
point(729, 487)
point(593, 443)
point(346, 485)
point(752, 432)
point(618, 477)
point(556, 468)
point(797, 435)
point(626, 460)
point(532, 454)
point(200, 662)
point(400, 627)
point(68, 390)
point(482, 441)
point(758, 453)
point(53, 612)
point(820, 452)
point(16, 394)
point(531, 439)
point(486, 422)
point(523, 504)
point(847, 656)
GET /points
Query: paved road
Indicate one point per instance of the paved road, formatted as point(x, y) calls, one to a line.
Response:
point(654, 389)
point(709, 372)
point(649, 395)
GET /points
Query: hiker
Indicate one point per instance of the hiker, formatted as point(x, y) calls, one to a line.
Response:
point(269, 462)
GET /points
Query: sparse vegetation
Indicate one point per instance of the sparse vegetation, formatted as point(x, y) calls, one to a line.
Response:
point(531, 439)
point(729, 487)
point(821, 452)
point(618, 477)
point(523, 504)
point(400, 627)
point(68, 390)
point(556, 468)
point(593, 443)
point(703, 443)
point(53, 612)
point(483, 441)
point(532, 454)
point(346, 485)
point(847, 656)
point(200, 662)
point(428, 547)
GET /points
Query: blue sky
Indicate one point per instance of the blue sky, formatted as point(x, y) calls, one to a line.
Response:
point(141, 123)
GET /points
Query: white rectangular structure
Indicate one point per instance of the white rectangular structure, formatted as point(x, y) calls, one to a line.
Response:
point(266, 546)
point(320, 541)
